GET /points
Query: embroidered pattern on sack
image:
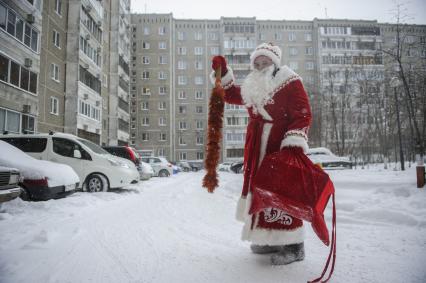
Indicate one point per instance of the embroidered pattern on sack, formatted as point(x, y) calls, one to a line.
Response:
point(277, 215)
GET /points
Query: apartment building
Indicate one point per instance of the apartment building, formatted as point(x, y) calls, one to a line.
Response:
point(20, 30)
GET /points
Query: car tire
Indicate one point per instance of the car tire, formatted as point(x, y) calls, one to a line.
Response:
point(95, 183)
point(163, 173)
point(24, 195)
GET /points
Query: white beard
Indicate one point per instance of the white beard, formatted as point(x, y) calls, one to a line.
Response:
point(257, 89)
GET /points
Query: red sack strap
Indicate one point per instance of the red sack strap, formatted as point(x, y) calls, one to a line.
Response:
point(332, 254)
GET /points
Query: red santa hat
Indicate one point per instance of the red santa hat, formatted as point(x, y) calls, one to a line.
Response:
point(269, 50)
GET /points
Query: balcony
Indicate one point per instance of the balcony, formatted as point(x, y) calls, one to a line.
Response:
point(122, 104)
point(124, 85)
point(123, 125)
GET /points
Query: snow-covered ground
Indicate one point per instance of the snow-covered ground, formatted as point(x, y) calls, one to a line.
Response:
point(172, 230)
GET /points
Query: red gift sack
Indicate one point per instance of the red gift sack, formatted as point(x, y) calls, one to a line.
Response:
point(288, 180)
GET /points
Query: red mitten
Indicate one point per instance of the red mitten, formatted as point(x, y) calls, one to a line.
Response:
point(219, 61)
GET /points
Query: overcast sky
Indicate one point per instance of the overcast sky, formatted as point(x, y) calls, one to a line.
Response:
point(380, 10)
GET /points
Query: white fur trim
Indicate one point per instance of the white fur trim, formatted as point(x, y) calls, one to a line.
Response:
point(268, 50)
point(243, 207)
point(295, 141)
point(227, 80)
point(272, 237)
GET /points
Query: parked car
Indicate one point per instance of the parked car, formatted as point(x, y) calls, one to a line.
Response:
point(185, 167)
point(225, 166)
point(237, 167)
point(9, 184)
point(196, 165)
point(127, 152)
point(97, 169)
point(146, 171)
point(40, 179)
point(161, 166)
point(326, 159)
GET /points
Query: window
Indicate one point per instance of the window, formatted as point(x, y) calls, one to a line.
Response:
point(145, 45)
point(181, 35)
point(291, 36)
point(146, 30)
point(54, 105)
point(182, 80)
point(182, 65)
point(145, 75)
point(182, 125)
point(213, 36)
point(309, 65)
point(293, 51)
point(198, 94)
point(162, 105)
point(145, 121)
point(199, 124)
point(198, 35)
point(161, 45)
point(162, 60)
point(162, 75)
point(145, 105)
point(58, 7)
point(145, 60)
point(182, 109)
point(182, 94)
point(90, 80)
point(200, 140)
point(214, 50)
point(309, 50)
point(54, 72)
point(198, 50)
point(278, 36)
point(162, 137)
point(4, 68)
point(182, 155)
point(198, 80)
point(55, 39)
point(15, 70)
point(294, 65)
point(200, 155)
point(182, 142)
point(199, 109)
point(182, 50)
point(162, 90)
point(66, 147)
point(146, 91)
point(162, 121)
point(3, 17)
point(145, 136)
point(198, 65)
point(308, 36)
point(162, 30)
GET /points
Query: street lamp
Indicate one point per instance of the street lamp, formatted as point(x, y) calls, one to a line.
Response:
point(394, 82)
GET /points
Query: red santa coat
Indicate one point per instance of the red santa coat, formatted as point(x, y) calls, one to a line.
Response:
point(283, 121)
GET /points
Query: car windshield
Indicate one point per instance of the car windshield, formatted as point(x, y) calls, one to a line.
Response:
point(94, 147)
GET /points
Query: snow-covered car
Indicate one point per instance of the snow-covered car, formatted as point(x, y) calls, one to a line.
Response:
point(9, 184)
point(327, 160)
point(41, 179)
point(146, 171)
point(162, 167)
point(237, 167)
point(196, 165)
point(224, 166)
point(185, 167)
point(97, 169)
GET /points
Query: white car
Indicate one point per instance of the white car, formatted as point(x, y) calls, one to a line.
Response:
point(146, 171)
point(39, 179)
point(324, 157)
point(97, 169)
point(162, 168)
point(225, 166)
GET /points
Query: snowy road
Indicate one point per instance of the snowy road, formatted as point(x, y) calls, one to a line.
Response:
point(171, 230)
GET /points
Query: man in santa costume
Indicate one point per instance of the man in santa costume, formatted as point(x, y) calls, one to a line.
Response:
point(280, 116)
